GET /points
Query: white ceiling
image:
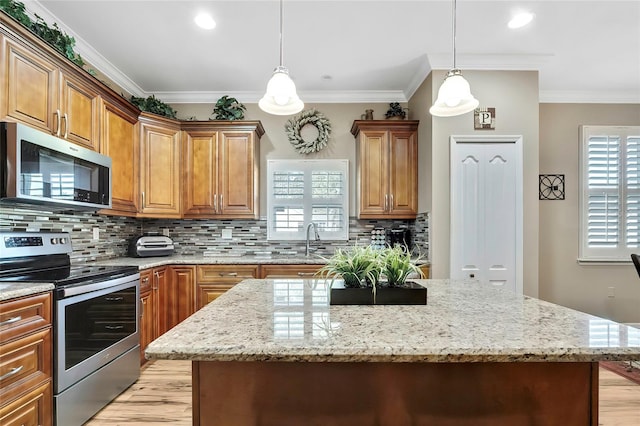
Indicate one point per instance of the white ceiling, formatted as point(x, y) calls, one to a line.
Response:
point(373, 51)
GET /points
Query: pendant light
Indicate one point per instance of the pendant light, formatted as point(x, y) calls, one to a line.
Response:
point(454, 96)
point(281, 97)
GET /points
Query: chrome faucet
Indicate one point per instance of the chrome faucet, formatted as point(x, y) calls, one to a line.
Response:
point(317, 236)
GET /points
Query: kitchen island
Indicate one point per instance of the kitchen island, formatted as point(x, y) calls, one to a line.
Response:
point(275, 352)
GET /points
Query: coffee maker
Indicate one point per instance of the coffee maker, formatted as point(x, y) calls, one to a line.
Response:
point(399, 236)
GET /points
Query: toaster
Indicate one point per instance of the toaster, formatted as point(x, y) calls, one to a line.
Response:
point(149, 245)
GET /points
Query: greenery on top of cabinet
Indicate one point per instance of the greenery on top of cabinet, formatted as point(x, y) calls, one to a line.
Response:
point(54, 36)
point(153, 105)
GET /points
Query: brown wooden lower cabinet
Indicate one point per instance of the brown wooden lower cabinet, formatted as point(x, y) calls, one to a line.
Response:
point(148, 307)
point(214, 280)
point(390, 393)
point(26, 361)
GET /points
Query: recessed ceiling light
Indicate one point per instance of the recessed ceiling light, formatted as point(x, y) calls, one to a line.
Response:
point(204, 20)
point(520, 20)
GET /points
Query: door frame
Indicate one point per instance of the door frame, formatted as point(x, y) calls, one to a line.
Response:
point(479, 139)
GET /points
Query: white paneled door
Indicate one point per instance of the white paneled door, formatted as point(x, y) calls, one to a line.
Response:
point(486, 209)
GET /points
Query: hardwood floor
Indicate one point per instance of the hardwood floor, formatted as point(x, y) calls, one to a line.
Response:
point(163, 396)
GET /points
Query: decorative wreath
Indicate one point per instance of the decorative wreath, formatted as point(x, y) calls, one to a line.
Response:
point(315, 118)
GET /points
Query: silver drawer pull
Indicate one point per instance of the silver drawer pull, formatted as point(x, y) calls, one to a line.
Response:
point(114, 327)
point(145, 280)
point(228, 274)
point(306, 274)
point(12, 372)
point(113, 299)
point(10, 320)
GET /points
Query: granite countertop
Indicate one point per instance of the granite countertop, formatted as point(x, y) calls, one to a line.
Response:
point(463, 321)
point(152, 262)
point(11, 290)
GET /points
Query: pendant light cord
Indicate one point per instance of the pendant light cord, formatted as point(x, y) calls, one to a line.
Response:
point(454, 34)
point(281, 37)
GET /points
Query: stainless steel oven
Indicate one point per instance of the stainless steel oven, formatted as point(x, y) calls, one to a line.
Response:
point(96, 329)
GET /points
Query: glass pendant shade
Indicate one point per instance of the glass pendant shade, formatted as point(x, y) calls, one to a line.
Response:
point(454, 97)
point(281, 97)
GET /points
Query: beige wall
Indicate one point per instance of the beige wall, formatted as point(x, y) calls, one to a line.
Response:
point(275, 145)
point(514, 94)
point(562, 280)
point(419, 106)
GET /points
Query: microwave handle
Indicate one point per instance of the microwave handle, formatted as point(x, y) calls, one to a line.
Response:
point(66, 125)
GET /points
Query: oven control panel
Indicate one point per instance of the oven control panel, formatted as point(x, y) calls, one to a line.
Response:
point(20, 244)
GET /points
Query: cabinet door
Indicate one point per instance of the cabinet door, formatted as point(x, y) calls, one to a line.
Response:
point(162, 301)
point(147, 315)
point(183, 301)
point(237, 172)
point(373, 173)
point(32, 88)
point(403, 175)
point(147, 311)
point(160, 168)
point(214, 280)
point(200, 170)
point(80, 113)
point(120, 141)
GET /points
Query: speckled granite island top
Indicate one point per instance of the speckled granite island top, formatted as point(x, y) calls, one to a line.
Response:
point(463, 321)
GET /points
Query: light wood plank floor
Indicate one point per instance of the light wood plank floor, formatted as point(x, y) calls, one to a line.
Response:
point(163, 396)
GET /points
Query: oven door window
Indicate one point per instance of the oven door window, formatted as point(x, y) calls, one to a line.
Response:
point(97, 323)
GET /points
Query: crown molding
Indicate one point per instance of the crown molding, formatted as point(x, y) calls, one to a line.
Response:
point(588, 97)
point(364, 96)
point(88, 53)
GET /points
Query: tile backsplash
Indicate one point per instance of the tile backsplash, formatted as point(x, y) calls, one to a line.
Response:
point(192, 236)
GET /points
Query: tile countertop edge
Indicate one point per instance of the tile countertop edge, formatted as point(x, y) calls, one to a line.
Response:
point(462, 322)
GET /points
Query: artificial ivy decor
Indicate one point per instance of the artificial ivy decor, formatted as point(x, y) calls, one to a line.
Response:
point(316, 119)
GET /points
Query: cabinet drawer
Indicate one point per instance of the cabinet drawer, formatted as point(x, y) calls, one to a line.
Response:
point(25, 363)
point(220, 273)
point(32, 409)
point(22, 316)
point(145, 280)
point(302, 271)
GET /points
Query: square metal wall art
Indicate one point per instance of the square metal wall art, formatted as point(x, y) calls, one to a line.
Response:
point(551, 187)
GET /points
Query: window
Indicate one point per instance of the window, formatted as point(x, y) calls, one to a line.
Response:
point(610, 193)
point(305, 191)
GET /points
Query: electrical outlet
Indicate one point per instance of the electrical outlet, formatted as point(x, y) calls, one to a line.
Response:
point(227, 234)
point(165, 232)
point(96, 234)
point(611, 292)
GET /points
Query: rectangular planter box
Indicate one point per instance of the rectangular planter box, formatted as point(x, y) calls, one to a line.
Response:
point(411, 294)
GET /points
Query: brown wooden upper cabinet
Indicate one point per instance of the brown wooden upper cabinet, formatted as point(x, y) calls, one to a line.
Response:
point(52, 96)
point(221, 169)
point(160, 174)
point(120, 140)
point(387, 168)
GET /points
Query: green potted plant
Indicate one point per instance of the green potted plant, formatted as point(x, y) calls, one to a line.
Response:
point(397, 265)
point(227, 108)
point(395, 111)
point(358, 266)
point(373, 277)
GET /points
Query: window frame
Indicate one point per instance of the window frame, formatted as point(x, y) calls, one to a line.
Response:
point(308, 166)
point(620, 253)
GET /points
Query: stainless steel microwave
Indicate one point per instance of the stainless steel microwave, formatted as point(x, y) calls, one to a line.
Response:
point(39, 168)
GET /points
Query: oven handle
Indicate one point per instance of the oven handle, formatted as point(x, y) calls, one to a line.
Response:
point(100, 285)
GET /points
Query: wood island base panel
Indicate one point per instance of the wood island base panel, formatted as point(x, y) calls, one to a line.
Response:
point(395, 394)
